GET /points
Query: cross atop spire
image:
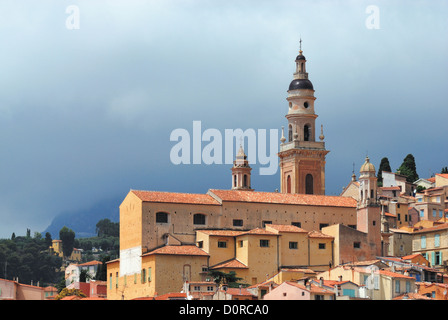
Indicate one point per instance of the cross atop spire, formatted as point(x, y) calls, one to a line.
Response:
point(300, 44)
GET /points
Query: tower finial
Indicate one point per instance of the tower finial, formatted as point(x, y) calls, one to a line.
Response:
point(300, 44)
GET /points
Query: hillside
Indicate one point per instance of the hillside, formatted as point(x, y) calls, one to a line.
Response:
point(83, 222)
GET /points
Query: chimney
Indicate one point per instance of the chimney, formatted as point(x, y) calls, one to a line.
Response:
point(340, 278)
point(321, 282)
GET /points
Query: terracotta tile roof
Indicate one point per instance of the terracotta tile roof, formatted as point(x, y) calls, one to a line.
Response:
point(317, 234)
point(390, 188)
point(259, 231)
point(90, 263)
point(412, 296)
point(332, 283)
point(284, 198)
point(173, 197)
point(286, 228)
point(442, 226)
point(390, 214)
point(234, 264)
point(172, 295)
point(238, 292)
point(184, 250)
point(222, 233)
point(391, 274)
point(443, 175)
point(410, 256)
point(298, 270)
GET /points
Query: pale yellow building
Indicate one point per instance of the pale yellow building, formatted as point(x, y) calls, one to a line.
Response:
point(163, 270)
point(432, 243)
point(56, 247)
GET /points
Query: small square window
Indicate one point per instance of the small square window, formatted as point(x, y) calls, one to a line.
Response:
point(292, 245)
point(222, 244)
point(321, 245)
point(264, 243)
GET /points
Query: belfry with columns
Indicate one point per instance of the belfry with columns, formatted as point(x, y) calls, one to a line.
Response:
point(301, 157)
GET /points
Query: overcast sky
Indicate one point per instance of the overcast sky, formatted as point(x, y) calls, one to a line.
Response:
point(86, 110)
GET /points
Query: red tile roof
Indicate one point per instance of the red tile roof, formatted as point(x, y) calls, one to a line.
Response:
point(284, 198)
point(317, 234)
point(233, 264)
point(412, 296)
point(172, 295)
point(238, 292)
point(222, 233)
point(259, 231)
point(438, 227)
point(186, 250)
point(286, 228)
point(173, 197)
point(90, 263)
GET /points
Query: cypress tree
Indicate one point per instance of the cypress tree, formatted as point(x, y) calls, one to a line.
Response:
point(409, 169)
point(384, 166)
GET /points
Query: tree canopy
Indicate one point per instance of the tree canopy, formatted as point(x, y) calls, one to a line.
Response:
point(384, 166)
point(409, 169)
point(105, 228)
point(28, 259)
point(67, 236)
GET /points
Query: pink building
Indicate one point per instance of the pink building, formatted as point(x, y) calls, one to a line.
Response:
point(13, 290)
point(290, 290)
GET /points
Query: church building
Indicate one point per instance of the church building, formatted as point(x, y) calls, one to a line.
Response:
point(151, 220)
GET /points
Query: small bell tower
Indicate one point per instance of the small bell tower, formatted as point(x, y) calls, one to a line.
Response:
point(241, 172)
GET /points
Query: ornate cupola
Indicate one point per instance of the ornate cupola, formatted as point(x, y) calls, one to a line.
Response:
point(241, 172)
point(367, 184)
point(302, 158)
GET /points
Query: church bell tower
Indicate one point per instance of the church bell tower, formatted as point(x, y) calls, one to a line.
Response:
point(302, 158)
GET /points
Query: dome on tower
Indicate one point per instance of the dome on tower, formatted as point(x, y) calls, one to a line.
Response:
point(367, 166)
point(300, 56)
point(301, 84)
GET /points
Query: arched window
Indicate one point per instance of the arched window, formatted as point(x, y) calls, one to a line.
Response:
point(199, 218)
point(290, 133)
point(306, 132)
point(309, 184)
point(234, 180)
point(245, 181)
point(288, 184)
point(162, 217)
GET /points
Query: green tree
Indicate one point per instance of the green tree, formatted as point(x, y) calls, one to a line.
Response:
point(67, 236)
point(230, 278)
point(409, 169)
point(105, 228)
point(48, 240)
point(384, 166)
point(444, 170)
point(84, 275)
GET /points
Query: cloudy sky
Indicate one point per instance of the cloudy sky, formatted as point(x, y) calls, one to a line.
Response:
point(90, 91)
